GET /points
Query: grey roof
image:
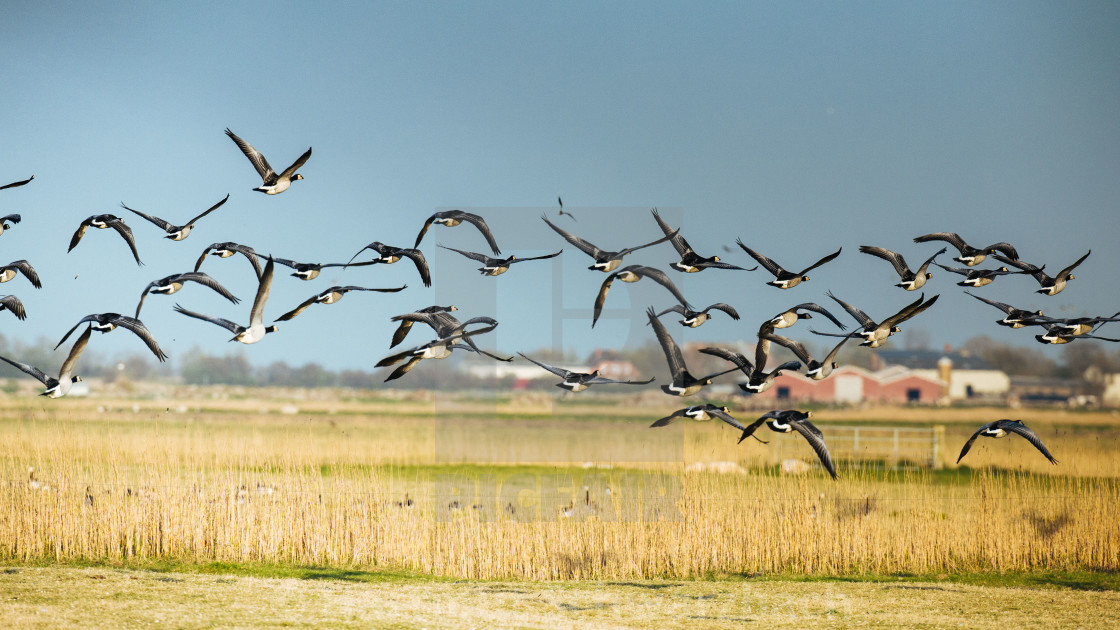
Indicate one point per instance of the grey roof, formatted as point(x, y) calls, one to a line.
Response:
point(929, 359)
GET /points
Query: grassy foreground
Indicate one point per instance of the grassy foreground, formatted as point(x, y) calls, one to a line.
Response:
point(534, 488)
point(63, 597)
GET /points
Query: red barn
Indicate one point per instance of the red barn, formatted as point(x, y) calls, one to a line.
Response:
point(850, 384)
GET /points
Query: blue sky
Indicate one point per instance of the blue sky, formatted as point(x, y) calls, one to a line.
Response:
point(798, 127)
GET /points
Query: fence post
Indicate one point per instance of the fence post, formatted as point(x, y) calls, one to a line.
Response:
point(938, 438)
point(855, 446)
point(894, 463)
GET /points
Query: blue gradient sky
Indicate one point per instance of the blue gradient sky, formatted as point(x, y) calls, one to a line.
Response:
point(798, 127)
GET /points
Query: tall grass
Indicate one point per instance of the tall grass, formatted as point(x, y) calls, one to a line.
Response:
point(372, 490)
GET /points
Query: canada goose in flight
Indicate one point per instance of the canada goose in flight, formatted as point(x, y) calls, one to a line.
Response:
point(1057, 334)
point(692, 318)
point(225, 250)
point(634, 273)
point(579, 381)
point(911, 280)
point(436, 349)
point(875, 334)
point(273, 183)
point(406, 324)
point(816, 370)
point(690, 261)
point(785, 279)
point(1076, 326)
point(330, 296)
point(256, 329)
point(174, 282)
point(969, 255)
point(15, 184)
point(758, 379)
point(445, 326)
point(103, 221)
point(4, 225)
point(105, 322)
point(1003, 428)
point(58, 387)
point(451, 218)
point(497, 266)
point(1016, 317)
point(684, 383)
point(1047, 285)
point(12, 303)
point(8, 271)
point(707, 411)
point(793, 420)
point(791, 315)
point(308, 271)
point(978, 277)
point(562, 212)
point(604, 261)
point(176, 232)
point(388, 255)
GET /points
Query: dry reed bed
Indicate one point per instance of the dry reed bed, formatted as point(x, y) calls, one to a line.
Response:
point(363, 492)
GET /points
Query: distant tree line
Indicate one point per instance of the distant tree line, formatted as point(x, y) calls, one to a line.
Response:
point(1078, 360)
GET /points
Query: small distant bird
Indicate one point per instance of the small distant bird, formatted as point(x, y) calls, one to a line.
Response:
point(604, 261)
point(176, 232)
point(791, 315)
point(875, 334)
point(969, 255)
point(15, 184)
point(793, 420)
point(1016, 317)
point(273, 183)
point(58, 387)
point(816, 370)
point(634, 273)
point(12, 303)
point(105, 322)
point(256, 329)
point(692, 318)
point(389, 254)
point(306, 271)
point(4, 225)
point(497, 266)
point(174, 282)
point(451, 218)
point(330, 296)
point(758, 379)
point(8, 271)
point(707, 411)
point(579, 381)
point(1047, 285)
point(690, 261)
point(684, 383)
point(101, 222)
point(911, 280)
point(1002, 428)
point(785, 279)
point(225, 250)
point(562, 212)
point(978, 277)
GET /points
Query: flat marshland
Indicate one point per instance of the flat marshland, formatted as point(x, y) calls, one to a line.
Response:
point(532, 487)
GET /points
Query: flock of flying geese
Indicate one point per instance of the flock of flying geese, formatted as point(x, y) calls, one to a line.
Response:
point(453, 334)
